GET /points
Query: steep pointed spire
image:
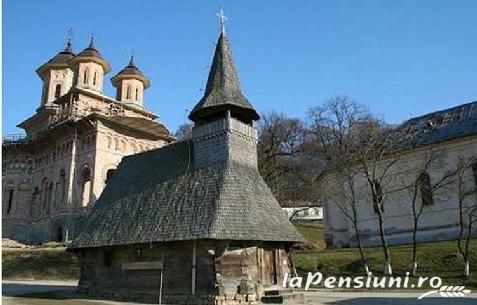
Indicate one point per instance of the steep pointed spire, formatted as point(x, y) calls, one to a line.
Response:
point(223, 92)
point(91, 43)
point(222, 75)
point(131, 61)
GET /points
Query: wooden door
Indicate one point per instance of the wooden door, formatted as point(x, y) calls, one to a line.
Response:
point(270, 267)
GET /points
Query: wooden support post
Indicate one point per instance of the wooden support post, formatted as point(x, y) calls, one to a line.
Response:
point(194, 254)
point(160, 281)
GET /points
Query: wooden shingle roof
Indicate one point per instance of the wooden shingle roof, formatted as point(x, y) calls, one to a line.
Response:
point(223, 87)
point(159, 196)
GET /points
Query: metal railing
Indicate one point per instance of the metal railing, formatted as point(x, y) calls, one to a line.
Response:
point(19, 138)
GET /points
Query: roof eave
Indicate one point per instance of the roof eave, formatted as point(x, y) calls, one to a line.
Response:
point(100, 61)
point(47, 66)
point(115, 79)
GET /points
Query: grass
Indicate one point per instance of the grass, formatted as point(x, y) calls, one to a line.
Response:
point(314, 233)
point(435, 259)
point(39, 264)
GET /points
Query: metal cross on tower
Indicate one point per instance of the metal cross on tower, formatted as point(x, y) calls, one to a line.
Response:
point(69, 35)
point(222, 20)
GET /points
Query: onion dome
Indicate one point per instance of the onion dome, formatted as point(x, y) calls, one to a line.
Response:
point(130, 71)
point(59, 61)
point(91, 54)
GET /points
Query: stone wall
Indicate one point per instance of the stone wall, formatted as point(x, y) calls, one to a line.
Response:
point(56, 174)
point(439, 221)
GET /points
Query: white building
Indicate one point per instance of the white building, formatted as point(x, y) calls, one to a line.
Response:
point(450, 133)
point(304, 214)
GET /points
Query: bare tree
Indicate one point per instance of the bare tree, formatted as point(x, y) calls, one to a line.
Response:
point(377, 157)
point(184, 132)
point(467, 206)
point(279, 146)
point(346, 196)
point(420, 190)
point(334, 136)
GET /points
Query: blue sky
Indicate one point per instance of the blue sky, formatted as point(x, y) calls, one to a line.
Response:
point(402, 58)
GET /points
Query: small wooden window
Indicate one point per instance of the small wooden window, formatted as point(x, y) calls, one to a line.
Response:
point(59, 234)
point(426, 189)
point(107, 258)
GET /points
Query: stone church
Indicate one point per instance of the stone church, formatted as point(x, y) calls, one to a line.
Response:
point(72, 144)
point(192, 222)
point(449, 134)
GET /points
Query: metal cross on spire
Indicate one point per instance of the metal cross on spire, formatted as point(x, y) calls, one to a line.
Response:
point(222, 20)
point(69, 35)
point(91, 40)
point(131, 59)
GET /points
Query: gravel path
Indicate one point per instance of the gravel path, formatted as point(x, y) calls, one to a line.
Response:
point(65, 293)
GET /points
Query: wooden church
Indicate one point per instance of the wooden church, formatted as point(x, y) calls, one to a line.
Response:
point(192, 222)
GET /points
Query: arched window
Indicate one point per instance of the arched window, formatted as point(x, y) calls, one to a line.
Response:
point(426, 189)
point(109, 174)
point(44, 195)
point(85, 186)
point(56, 196)
point(377, 196)
point(49, 198)
point(109, 142)
point(34, 197)
point(116, 144)
point(134, 147)
point(137, 94)
point(9, 195)
point(94, 78)
point(57, 91)
point(128, 92)
point(62, 186)
point(85, 76)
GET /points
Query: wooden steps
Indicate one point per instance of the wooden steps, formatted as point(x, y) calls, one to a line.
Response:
point(282, 296)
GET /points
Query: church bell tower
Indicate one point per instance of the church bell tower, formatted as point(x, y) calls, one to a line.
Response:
point(130, 84)
point(223, 131)
point(56, 75)
point(89, 68)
